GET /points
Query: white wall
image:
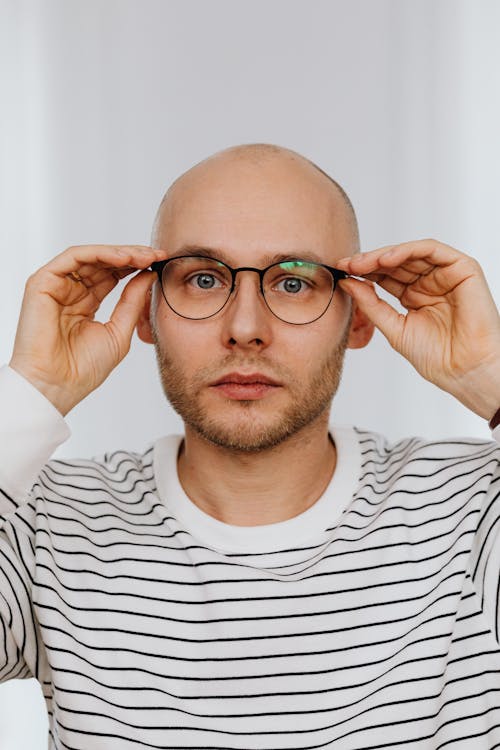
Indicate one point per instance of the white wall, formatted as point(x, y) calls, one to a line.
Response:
point(105, 103)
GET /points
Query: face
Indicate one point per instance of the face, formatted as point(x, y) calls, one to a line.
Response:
point(251, 212)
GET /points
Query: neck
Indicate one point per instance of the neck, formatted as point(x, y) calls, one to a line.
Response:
point(244, 489)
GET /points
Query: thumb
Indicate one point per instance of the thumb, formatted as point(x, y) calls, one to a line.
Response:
point(128, 309)
point(383, 316)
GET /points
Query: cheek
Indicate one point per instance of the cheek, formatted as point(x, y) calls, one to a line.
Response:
point(184, 342)
point(332, 327)
point(299, 353)
point(315, 339)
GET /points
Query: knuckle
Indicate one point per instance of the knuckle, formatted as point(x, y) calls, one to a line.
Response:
point(33, 279)
point(473, 264)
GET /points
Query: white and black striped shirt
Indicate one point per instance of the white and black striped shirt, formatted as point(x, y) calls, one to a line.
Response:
point(371, 620)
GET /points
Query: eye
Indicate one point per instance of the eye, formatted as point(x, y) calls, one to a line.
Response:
point(204, 281)
point(292, 285)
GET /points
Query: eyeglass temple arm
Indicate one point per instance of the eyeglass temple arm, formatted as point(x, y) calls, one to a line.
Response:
point(157, 266)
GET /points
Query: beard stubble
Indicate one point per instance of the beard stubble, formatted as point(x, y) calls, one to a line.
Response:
point(249, 433)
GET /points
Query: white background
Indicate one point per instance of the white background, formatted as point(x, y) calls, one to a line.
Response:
point(104, 103)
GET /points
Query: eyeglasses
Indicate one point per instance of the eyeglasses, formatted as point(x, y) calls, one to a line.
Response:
point(295, 291)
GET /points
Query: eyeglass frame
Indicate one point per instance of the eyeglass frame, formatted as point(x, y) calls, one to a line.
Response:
point(336, 274)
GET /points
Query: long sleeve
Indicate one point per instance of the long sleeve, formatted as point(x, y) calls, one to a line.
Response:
point(31, 428)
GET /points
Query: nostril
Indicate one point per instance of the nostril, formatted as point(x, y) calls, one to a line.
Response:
point(258, 342)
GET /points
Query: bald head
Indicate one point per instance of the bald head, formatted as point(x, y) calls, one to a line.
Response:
point(257, 183)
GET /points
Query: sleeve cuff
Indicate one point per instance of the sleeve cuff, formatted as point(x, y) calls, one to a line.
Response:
point(31, 428)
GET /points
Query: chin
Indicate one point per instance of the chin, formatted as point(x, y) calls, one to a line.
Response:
point(245, 434)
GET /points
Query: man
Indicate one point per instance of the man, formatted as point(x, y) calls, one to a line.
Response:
point(262, 581)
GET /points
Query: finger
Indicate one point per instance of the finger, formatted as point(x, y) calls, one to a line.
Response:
point(92, 288)
point(94, 274)
point(89, 276)
point(409, 295)
point(387, 263)
point(427, 253)
point(104, 287)
point(107, 282)
point(435, 280)
point(407, 273)
point(128, 308)
point(393, 286)
point(110, 256)
point(385, 318)
point(399, 274)
point(432, 252)
point(74, 288)
point(345, 263)
point(86, 299)
point(98, 285)
point(418, 267)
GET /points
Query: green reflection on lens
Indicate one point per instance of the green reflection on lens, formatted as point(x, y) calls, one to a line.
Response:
point(289, 265)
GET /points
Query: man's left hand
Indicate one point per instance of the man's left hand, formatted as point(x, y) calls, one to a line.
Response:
point(451, 331)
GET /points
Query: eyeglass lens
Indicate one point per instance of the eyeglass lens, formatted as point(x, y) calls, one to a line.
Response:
point(295, 291)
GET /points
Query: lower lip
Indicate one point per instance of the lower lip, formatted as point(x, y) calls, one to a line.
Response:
point(245, 391)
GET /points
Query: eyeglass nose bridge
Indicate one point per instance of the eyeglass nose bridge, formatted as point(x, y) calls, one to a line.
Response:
point(259, 271)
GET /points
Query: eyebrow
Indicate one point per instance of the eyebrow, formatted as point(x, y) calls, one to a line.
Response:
point(212, 252)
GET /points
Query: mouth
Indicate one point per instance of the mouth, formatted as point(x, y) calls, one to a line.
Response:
point(238, 386)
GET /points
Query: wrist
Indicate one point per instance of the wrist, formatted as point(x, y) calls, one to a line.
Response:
point(479, 390)
point(57, 395)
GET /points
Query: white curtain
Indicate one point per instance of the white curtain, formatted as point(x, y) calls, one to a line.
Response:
point(105, 102)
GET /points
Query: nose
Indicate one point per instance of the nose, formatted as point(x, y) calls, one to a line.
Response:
point(246, 319)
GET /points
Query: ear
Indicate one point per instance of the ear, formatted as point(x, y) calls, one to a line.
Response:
point(361, 330)
point(143, 325)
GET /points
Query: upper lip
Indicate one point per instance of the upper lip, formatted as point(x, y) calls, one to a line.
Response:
point(239, 377)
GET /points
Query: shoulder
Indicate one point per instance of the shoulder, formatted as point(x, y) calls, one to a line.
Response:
point(101, 484)
point(108, 468)
point(417, 465)
point(376, 447)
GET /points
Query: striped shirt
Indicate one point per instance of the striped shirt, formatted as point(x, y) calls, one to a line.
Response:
point(371, 620)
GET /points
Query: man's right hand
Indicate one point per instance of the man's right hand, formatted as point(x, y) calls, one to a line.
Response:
point(59, 347)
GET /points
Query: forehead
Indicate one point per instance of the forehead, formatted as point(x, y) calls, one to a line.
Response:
point(254, 211)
